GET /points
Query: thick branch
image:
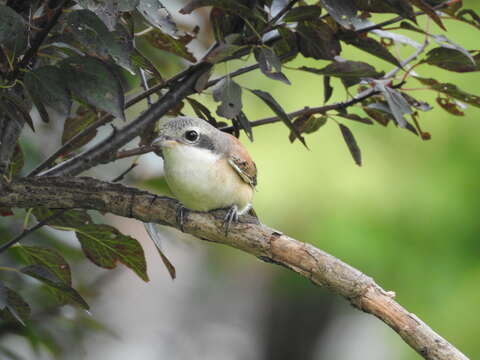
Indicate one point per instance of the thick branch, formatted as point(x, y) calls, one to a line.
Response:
point(249, 236)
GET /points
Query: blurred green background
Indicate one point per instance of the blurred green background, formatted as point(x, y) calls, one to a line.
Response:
point(408, 218)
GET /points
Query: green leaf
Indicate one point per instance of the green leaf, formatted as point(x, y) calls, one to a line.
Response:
point(93, 82)
point(202, 111)
point(316, 39)
point(301, 13)
point(368, 45)
point(327, 89)
point(47, 276)
point(97, 40)
point(52, 260)
point(307, 124)
point(427, 9)
point(270, 64)
point(452, 60)
point(72, 219)
point(157, 15)
point(245, 125)
point(351, 144)
point(3, 296)
point(47, 85)
point(452, 91)
point(349, 71)
point(278, 110)
point(15, 107)
point(17, 161)
point(400, 7)
point(233, 6)
point(16, 308)
point(165, 42)
point(468, 16)
point(229, 94)
point(343, 11)
point(75, 124)
point(13, 30)
point(108, 11)
point(105, 246)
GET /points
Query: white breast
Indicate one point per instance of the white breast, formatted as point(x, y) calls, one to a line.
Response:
point(202, 180)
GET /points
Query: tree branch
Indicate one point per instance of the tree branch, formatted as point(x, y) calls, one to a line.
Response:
point(249, 236)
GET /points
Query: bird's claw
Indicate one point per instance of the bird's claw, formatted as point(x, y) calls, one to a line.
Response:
point(180, 216)
point(230, 217)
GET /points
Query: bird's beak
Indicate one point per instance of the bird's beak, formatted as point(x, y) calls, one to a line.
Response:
point(164, 141)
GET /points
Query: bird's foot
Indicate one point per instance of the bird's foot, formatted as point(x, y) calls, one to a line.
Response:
point(230, 217)
point(180, 216)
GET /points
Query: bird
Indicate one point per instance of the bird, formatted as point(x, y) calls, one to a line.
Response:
point(206, 168)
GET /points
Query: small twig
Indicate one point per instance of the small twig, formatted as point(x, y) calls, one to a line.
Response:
point(282, 12)
point(398, 18)
point(122, 175)
point(27, 232)
point(133, 152)
point(38, 40)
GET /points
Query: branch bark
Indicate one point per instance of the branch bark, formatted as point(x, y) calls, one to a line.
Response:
point(249, 236)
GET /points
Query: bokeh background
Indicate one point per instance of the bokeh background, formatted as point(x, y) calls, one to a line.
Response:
point(409, 217)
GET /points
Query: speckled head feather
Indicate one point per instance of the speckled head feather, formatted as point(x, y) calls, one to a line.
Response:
point(209, 137)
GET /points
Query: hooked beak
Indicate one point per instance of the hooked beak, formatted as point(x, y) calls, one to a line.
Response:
point(164, 141)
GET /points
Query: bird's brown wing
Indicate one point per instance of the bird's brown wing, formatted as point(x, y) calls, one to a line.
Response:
point(242, 163)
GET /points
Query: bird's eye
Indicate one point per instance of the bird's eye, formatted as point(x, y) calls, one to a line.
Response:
point(191, 135)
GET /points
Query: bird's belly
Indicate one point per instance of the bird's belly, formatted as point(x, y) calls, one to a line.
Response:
point(205, 183)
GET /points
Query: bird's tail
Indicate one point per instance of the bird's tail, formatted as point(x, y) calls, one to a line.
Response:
point(157, 240)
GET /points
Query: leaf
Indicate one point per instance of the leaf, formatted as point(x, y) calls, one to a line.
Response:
point(98, 41)
point(233, 6)
point(105, 246)
point(307, 124)
point(328, 89)
point(452, 107)
point(301, 13)
point(157, 15)
point(343, 11)
point(202, 111)
point(452, 60)
point(315, 39)
point(45, 275)
point(93, 82)
point(72, 219)
point(3, 296)
point(107, 11)
point(350, 71)
point(352, 144)
point(473, 20)
point(286, 47)
point(165, 42)
point(245, 124)
point(16, 308)
point(47, 85)
point(397, 104)
point(278, 110)
point(270, 64)
point(400, 7)
point(76, 124)
point(427, 9)
point(229, 94)
point(53, 261)
point(380, 112)
point(355, 117)
point(369, 45)
point(451, 90)
point(13, 30)
point(16, 162)
point(15, 107)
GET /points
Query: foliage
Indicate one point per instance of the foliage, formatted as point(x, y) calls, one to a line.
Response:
point(75, 61)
